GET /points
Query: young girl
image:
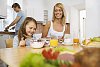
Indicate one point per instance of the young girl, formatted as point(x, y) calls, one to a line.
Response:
point(25, 32)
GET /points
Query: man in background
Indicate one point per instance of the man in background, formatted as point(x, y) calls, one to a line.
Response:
point(19, 18)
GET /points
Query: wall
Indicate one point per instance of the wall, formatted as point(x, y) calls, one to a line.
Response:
point(3, 8)
point(74, 22)
point(34, 8)
point(92, 18)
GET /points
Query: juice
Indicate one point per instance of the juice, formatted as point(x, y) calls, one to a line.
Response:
point(75, 40)
point(54, 42)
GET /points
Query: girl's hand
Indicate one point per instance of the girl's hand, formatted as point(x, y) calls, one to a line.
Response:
point(26, 36)
point(22, 42)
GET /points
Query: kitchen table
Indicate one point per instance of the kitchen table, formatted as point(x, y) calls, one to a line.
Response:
point(13, 56)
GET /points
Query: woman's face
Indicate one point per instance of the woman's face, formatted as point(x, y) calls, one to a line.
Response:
point(58, 12)
point(30, 28)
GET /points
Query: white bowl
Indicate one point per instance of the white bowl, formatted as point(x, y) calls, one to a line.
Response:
point(37, 44)
point(37, 36)
point(68, 41)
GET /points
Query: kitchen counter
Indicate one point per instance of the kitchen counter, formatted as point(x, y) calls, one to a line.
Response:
point(10, 33)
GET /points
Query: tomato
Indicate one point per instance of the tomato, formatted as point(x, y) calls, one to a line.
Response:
point(55, 55)
point(50, 53)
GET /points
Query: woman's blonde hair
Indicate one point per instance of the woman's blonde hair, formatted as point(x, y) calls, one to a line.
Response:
point(60, 5)
point(22, 30)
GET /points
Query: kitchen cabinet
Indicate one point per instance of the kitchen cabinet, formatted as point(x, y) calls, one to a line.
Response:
point(3, 9)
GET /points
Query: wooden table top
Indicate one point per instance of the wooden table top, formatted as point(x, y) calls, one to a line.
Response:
point(13, 56)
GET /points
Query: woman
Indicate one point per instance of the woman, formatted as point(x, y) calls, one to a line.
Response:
point(25, 32)
point(57, 27)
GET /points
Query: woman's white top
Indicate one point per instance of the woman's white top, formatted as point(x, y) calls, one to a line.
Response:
point(53, 33)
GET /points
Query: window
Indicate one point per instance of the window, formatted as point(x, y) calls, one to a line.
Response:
point(10, 12)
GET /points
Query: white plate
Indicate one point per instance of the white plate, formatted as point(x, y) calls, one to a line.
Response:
point(67, 43)
point(92, 44)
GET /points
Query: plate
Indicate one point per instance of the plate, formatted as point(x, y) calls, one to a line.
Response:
point(92, 44)
point(67, 43)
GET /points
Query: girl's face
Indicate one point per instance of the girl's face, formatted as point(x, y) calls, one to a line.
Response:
point(30, 28)
point(58, 12)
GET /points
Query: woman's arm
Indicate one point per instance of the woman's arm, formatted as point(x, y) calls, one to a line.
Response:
point(67, 29)
point(46, 29)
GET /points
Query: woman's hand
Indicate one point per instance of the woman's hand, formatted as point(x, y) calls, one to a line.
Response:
point(22, 42)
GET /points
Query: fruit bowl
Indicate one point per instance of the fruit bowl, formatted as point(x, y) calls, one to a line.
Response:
point(37, 44)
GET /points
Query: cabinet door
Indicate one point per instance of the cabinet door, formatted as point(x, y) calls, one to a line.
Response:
point(3, 8)
point(2, 42)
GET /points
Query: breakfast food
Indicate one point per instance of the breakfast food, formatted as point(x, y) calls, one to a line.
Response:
point(96, 39)
point(88, 57)
point(92, 42)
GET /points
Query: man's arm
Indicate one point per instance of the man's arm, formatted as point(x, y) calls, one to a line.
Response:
point(13, 23)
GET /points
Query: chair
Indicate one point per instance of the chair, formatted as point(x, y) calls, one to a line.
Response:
point(9, 43)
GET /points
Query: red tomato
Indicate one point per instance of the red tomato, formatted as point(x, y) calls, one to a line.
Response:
point(46, 54)
point(55, 55)
point(50, 53)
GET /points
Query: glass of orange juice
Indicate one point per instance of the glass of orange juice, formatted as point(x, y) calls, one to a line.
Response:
point(54, 42)
point(76, 40)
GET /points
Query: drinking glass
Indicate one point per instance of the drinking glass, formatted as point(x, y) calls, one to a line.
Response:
point(53, 42)
point(76, 40)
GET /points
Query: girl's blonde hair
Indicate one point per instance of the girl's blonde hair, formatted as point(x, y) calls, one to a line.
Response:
point(60, 5)
point(22, 30)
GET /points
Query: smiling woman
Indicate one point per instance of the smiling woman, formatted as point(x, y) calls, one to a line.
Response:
point(56, 27)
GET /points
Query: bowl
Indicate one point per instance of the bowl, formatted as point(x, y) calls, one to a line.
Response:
point(37, 36)
point(68, 41)
point(37, 44)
